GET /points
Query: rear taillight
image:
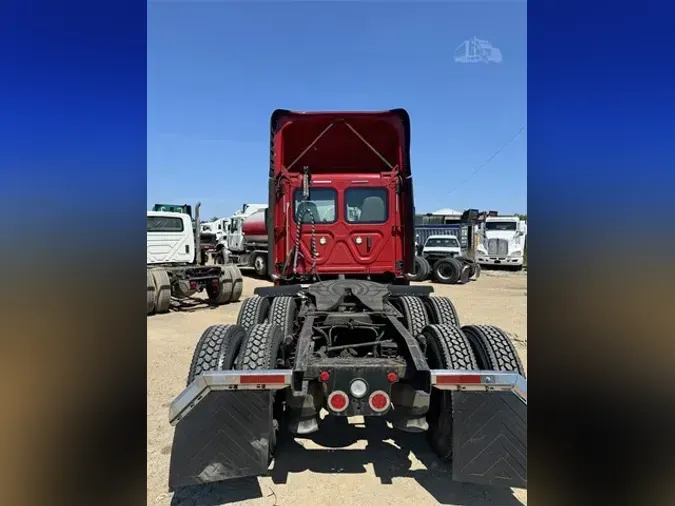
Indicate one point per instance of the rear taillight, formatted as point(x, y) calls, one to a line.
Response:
point(214, 283)
point(338, 401)
point(193, 285)
point(379, 401)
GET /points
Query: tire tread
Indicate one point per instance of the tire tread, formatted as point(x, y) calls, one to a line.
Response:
point(501, 354)
point(259, 351)
point(214, 350)
point(254, 310)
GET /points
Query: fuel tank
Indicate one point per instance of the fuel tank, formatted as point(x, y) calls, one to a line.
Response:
point(255, 228)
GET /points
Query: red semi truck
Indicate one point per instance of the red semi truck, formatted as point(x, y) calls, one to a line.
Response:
point(343, 330)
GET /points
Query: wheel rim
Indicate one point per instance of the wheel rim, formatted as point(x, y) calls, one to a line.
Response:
point(444, 271)
point(259, 263)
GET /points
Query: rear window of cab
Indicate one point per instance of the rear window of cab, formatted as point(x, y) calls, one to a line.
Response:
point(321, 205)
point(361, 205)
point(367, 205)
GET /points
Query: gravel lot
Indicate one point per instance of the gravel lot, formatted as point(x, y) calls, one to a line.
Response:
point(358, 464)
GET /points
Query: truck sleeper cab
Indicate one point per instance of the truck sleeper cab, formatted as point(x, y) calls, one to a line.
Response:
point(341, 195)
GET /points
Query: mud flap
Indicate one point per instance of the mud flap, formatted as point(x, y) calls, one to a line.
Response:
point(490, 439)
point(225, 435)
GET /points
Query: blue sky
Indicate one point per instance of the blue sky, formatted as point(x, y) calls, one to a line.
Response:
point(216, 71)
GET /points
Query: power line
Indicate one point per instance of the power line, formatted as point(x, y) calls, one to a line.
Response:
point(520, 130)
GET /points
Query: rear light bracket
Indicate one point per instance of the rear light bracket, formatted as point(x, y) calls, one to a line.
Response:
point(226, 380)
point(480, 381)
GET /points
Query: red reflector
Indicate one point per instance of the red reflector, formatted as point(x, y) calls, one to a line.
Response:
point(338, 401)
point(193, 285)
point(324, 376)
point(214, 282)
point(392, 377)
point(458, 379)
point(271, 379)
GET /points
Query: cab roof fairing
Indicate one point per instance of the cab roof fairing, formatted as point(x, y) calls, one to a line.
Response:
point(311, 127)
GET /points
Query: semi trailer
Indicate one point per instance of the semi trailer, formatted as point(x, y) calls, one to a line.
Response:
point(342, 330)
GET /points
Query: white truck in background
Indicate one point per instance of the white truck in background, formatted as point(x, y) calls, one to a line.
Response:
point(172, 269)
point(247, 239)
point(235, 240)
point(503, 242)
point(441, 246)
point(212, 238)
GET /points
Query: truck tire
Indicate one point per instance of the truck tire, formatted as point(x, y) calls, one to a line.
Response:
point(221, 257)
point(151, 294)
point(473, 266)
point(465, 274)
point(253, 311)
point(447, 348)
point(441, 311)
point(260, 265)
point(162, 290)
point(422, 269)
point(216, 350)
point(283, 313)
point(427, 268)
point(237, 282)
point(447, 271)
point(494, 349)
point(261, 347)
point(260, 351)
point(223, 292)
point(414, 315)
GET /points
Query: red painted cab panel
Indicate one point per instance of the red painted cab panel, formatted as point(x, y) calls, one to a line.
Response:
point(359, 209)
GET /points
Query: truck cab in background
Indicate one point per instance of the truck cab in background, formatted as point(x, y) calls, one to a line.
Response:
point(247, 238)
point(213, 237)
point(503, 241)
point(441, 246)
point(235, 239)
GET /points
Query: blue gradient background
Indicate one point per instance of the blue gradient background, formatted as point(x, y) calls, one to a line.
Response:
point(72, 175)
point(72, 180)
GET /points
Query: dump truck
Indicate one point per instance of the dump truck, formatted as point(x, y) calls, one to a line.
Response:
point(342, 330)
point(172, 268)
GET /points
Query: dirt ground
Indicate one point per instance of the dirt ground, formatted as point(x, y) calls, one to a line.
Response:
point(358, 464)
